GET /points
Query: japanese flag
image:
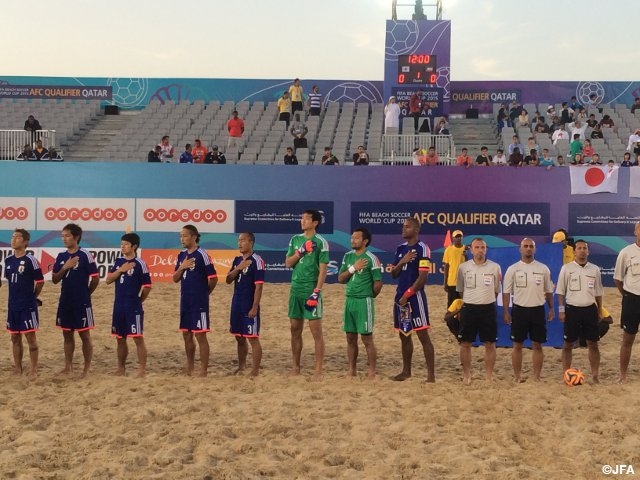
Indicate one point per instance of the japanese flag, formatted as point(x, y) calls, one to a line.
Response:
point(593, 179)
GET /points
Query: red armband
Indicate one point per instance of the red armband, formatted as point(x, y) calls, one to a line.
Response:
point(408, 293)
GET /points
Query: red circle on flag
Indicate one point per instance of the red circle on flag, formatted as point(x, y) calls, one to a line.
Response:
point(594, 177)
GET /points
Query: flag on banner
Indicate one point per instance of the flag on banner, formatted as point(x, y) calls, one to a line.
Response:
point(593, 179)
point(634, 182)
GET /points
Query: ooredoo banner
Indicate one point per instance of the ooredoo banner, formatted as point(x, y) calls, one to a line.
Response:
point(17, 212)
point(165, 215)
point(100, 214)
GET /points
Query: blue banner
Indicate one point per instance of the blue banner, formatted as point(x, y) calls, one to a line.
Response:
point(595, 218)
point(279, 217)
point(482, 218)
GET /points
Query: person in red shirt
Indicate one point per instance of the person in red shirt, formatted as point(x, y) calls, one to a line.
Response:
point(415, 108)
point(235, 127)
point(198, 152)
point(431, 158)
point(464, 160)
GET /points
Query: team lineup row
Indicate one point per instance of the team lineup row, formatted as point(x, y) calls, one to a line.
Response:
point(472, 285)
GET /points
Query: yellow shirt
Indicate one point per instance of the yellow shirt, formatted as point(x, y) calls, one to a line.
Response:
point(453, 256)
point(284, 105)
point(295, 93)
point(455, 305)
point(567, 254)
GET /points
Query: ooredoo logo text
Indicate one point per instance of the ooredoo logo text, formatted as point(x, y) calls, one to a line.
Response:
point(13, 213)
point(184, 215)
point(86, 214)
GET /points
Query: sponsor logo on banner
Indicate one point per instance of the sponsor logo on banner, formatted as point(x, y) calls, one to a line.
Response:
point(164, 215)
point(438, 217)
point(601, 219)
point(161, 262)
point(56, 91)
point(279, 217)
point(17, 212)
point(97, 214)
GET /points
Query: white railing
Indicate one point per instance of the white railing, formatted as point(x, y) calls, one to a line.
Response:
point(12, 142)
point(398, 149)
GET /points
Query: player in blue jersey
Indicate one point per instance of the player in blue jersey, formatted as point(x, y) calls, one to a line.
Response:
point(308, 255)
point(133, 285)
point(247, 275)
point(24, 275)
point(197, 276)
point(411, 314)
point(77, 271)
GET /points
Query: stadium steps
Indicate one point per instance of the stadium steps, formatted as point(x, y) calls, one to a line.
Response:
point(473, 134)
point(87, 147)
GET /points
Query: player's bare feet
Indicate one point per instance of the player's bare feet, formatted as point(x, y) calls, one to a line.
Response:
point(466, 380)
point(430, 379)
point(141, 373)
point(317, 377)
point(120, 372)
point(401, 377)
point(239, 371)
point(254, 372)
point(33, 373)
point(622, 379)
point(595, 379)
point(371, 376)
point(294, 372)
point(66, 371)
point(201, 373)
point(17, 371)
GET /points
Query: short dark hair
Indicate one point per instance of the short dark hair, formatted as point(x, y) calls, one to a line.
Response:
point(132, 238)
point(415, 221)
point(366, 234)
point(580, 240)
point(316, 216)
point(251, 236)
point(26, 236)
point(74, 229)
point(193, 230)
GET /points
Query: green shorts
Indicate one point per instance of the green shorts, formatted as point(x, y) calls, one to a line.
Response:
point(358, 315)
point(297, 310)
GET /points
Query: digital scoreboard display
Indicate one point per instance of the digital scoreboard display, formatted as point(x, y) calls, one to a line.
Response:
point(417, 68)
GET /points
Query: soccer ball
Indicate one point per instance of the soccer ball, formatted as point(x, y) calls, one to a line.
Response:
point(584, 90)
point(401, 38)
point(443, 81)
point(128, 92)
point(573, 377)
point(353, 92)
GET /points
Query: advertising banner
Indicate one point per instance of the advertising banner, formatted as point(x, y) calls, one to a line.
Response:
point(161, 262)
point(596, 218)
point(170, 214)
point(17, 212)
point(279, 217)
point(99, 214)
point(73, 92)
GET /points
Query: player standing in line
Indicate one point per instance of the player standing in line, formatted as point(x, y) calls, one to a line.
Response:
point(529, 281)
point(197, 276)
point(411, 313)
point(24, 275)
point(580, 293)
point(133, 285)
point(77, 271)
point(362, 273)
point(479, 285)
point(247, 275)
point(308, 255)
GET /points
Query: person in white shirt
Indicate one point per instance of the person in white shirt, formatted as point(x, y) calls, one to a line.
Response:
point(560, 134)
point(500, 158)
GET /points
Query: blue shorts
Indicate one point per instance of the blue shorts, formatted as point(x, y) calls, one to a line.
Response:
point(75, 319)
point(195, 322)
point(414, 319)
point(23, 321)
point(242, 326)
point(127, 324)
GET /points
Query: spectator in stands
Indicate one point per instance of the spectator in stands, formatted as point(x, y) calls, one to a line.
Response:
point(415, 108)
point(634, 142)
point(27, 153)
point(40, 151)
point(606, 122)
point(290, 158)
point(500, 159)
point(532, 159)
point(582, 115)
point(551, 111)
point(555, 124)
point(514, 112)
point(284, 108)
point(32, 125)
point(503, 117)
point(566, 113)
point(516, 159)
point(535, 119)
point(577, 127)
point(560, 134)
point(299, 131)
point(52, 154)
point(187, 155)
point(484, 159)
point(594, 101)
point(329, 158)
point(560, 161)
point(596, 132)
point(464, 159)
point(577, 159)
point(575, 105)
point(361, 157)
point(391, 114)
point(215, 157)
point(531, 145)
point(416, 157)
point(431, 158)
point(199, 152)
point(295, 92)
point(626, 161)
point(575, 147)
point(166, 150)
point(515, 143)
point(591, 121)
point(523, 119)
point(636, 105)
point(314, 101)
point(442, 129)
point(235, 127)
point(587, 151)
point(545, 160)
point(154, 155)
point(595, 159)
point(541, 126)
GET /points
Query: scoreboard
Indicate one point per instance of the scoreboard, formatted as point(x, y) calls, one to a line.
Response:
point(418, 69)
